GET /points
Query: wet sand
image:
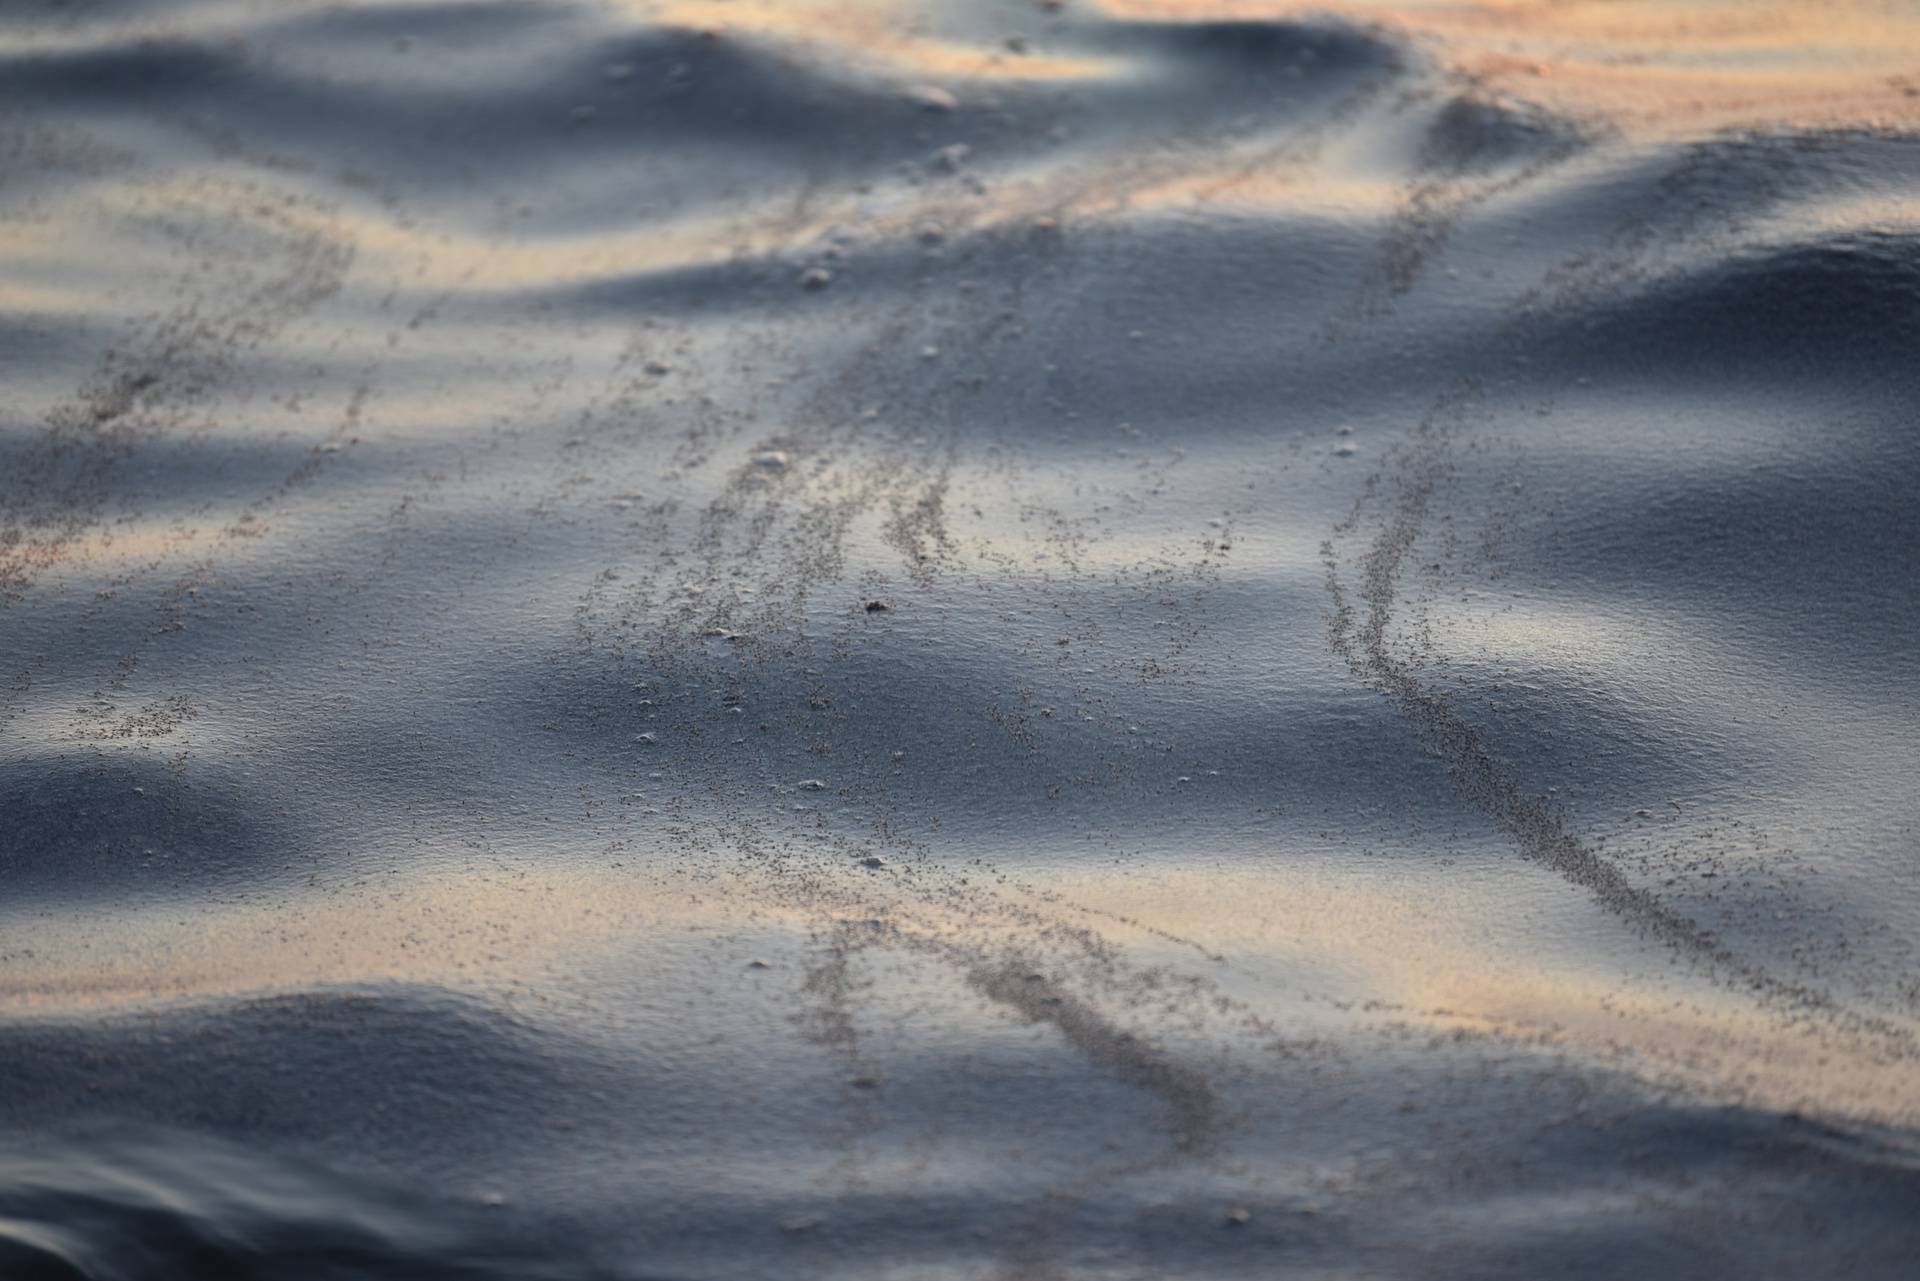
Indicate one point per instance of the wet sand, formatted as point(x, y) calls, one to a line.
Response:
point(728, 639)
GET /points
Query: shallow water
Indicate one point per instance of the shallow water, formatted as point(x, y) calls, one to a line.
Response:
point(680, 640)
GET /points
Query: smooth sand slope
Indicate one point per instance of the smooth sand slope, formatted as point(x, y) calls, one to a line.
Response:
point(975, 640)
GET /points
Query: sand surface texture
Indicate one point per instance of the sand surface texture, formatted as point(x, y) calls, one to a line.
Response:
point(870, 640)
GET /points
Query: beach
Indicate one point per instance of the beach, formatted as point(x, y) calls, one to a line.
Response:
point(719, 639)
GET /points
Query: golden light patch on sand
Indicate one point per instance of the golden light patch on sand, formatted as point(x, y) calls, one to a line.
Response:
point(1703, 1043)
point(1447, 957)
point(441, 259)
point(364, 929)
point(1226, 189)
point(1651, 66)
point(881, 39)
point(1408, 949)
point(138, 541)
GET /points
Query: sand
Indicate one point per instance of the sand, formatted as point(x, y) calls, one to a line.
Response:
point(871, 640)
